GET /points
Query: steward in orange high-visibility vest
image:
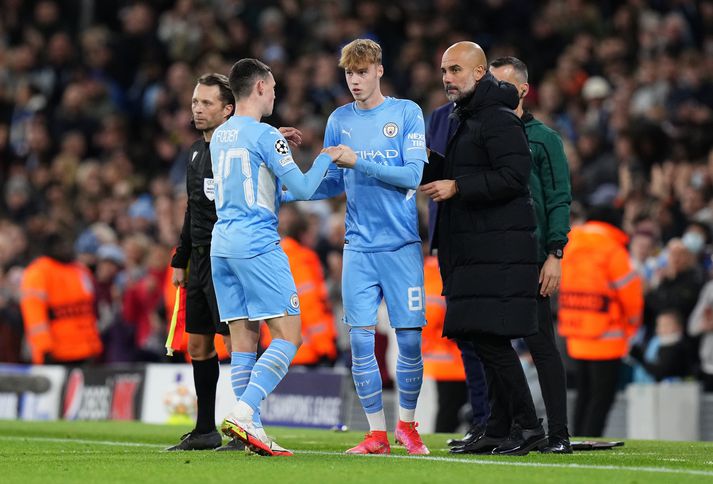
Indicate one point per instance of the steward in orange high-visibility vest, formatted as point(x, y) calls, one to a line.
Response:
point(441, 357)
point(318, 331)
point(601, 304)
point(601, 296)
point(58, 310)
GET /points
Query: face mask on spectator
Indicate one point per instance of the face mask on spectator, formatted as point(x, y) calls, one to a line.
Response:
point(693, 241)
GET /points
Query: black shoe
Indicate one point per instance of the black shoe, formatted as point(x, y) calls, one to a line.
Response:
point(522, 441)
point(482, 444)
point(195, 441)
point(473, 433)
point(233, 444)
point(557, 445)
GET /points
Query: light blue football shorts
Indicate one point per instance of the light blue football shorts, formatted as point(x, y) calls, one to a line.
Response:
point(261, 287)
point(395, 276)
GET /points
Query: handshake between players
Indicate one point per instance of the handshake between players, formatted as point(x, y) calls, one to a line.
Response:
point(343, 155)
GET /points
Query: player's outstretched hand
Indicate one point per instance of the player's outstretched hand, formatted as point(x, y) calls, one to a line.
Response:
point(348, 157)
point(334, 152)
point(292, 135)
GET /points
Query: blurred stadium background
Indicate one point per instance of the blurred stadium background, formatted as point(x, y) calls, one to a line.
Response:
point(95, 128)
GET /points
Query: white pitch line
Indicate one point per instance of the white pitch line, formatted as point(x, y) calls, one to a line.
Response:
point(79, 441)
point(664, 470)
point(660, 470)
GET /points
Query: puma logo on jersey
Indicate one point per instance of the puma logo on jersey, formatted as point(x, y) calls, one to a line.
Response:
point(348, 133)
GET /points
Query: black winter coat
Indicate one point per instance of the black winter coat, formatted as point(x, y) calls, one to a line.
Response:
point(485, 234)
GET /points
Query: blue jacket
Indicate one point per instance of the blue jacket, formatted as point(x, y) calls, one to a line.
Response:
point(439, 130)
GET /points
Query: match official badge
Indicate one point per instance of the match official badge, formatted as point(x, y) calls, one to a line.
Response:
point(281, 147)
point(390, 130)
point(209, 188)
point(294, 301)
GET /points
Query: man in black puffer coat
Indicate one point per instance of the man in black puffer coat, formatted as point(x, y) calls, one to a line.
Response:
point(485, 236)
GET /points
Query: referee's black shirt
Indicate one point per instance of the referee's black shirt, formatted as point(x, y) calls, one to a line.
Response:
point(200, 212)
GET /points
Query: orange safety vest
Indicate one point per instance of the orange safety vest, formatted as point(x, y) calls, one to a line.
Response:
point(58, 310)
point(441, 356)
point(601, 297)
point(318, 331)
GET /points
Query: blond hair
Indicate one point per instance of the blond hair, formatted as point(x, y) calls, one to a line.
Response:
point(360, 53)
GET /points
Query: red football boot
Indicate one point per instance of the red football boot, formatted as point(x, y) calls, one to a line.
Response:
point(407, 435)
point(375, 442)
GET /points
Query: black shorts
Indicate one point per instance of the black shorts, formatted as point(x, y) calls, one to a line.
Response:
point(202, 315)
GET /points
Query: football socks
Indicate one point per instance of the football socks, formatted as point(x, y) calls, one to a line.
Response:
point(269, 370)
point(409, 371)
point(367, 379)
point(205, 378)
point(241, 365)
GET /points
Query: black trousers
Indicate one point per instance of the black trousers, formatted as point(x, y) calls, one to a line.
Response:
point(507, 386)
point(476, 382)
point(452, 395)
point(596, 388)
point(550, 370)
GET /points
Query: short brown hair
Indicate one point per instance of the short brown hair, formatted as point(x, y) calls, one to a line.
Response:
point(360, 53)
point(214, 79)
point(243, 75)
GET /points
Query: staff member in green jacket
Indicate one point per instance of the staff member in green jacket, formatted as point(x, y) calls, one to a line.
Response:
point(551, 192)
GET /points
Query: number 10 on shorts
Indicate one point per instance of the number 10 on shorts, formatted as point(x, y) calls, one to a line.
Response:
point(415, 298)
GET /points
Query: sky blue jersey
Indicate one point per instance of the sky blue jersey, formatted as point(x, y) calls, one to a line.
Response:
point(390, 144)
point(248, 157)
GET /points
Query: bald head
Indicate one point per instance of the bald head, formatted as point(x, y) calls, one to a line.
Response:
point(462, 66)
point(469, 53)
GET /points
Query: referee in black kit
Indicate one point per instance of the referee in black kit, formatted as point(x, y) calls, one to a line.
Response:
point(212, 105)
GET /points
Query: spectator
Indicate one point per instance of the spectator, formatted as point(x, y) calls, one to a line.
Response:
point(700, 325)
point(666, 356)
point(108, 287)
point(680, 282)
point(142, 303)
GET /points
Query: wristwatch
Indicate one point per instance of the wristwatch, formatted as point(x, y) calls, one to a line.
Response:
point(558, 253)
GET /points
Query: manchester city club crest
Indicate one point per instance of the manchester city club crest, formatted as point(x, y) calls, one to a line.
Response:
point(295, 301)
point(390, 130)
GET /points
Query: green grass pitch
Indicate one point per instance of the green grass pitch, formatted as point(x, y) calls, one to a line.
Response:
point(108, 452)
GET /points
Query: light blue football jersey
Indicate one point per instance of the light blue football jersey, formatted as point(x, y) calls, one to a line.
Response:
point(248, 158)
point(380, 216)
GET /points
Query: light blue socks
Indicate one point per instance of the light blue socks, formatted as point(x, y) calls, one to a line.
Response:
point(409, 371)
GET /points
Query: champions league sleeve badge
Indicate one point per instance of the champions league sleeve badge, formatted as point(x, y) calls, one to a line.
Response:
point(281, 147)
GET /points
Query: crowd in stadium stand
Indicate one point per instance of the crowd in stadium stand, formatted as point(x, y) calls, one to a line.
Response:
point(95, 128)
